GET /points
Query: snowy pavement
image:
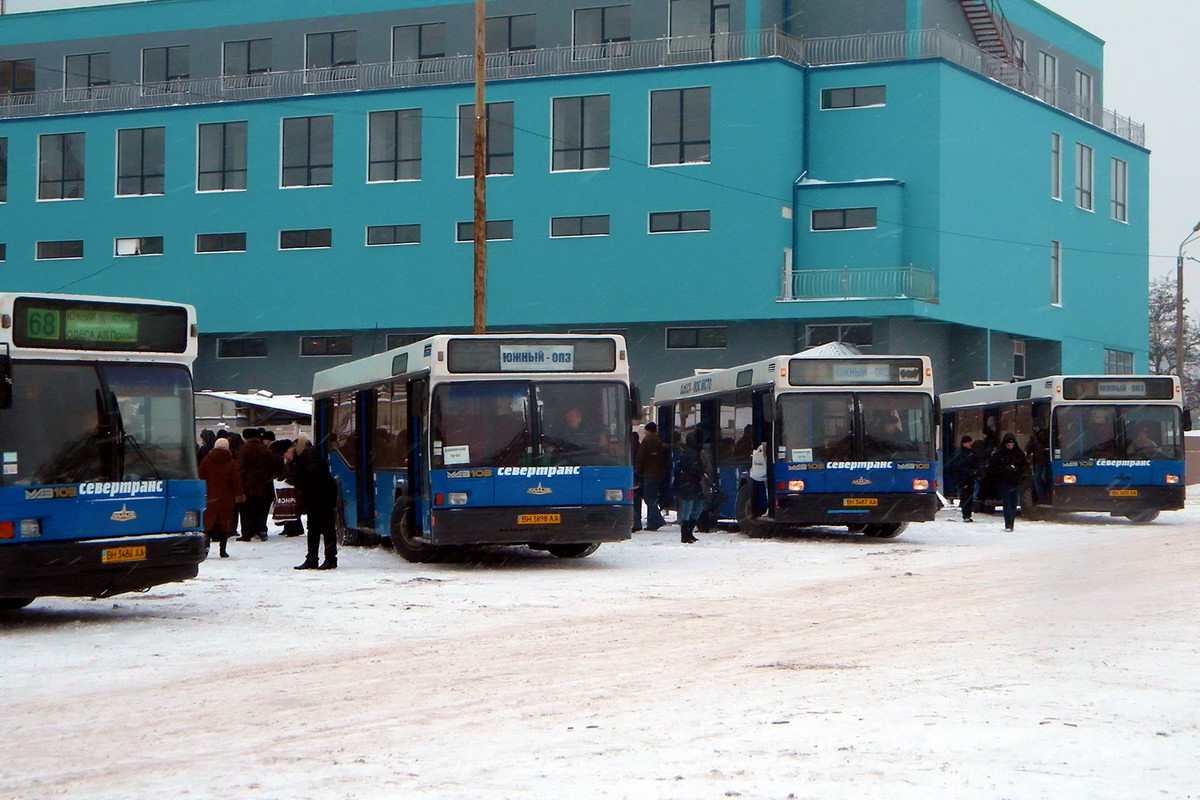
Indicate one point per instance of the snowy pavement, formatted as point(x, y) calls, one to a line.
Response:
point(956, 661)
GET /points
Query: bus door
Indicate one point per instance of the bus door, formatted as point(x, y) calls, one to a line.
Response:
point(734, 447)
point(364, 411)
point(389, 450)
point(763, 408)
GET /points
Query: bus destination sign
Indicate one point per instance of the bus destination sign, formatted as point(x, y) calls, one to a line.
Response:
point(82, 325)
point(531, 355)
point(51, 323)
point(855, 372)
point(1118, 389)
point(536, 358)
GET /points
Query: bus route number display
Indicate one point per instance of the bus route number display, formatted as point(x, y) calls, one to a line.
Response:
point(851, 372)
point(81, 325)
point(536, 358)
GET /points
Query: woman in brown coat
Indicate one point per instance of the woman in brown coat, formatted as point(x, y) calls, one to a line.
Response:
point(220, 473)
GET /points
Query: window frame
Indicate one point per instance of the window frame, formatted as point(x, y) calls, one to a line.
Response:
point(225, 171)
point(396, 162)
point(614, 46)
point(141, 248)
point(171, 76)
point(844, 213)
point(1056, 166)
point(335, 70)
point(38, 250)
point(1119, 190)
point(1056, 273)
point(200, 252)
point(580, 219)
point(367, 237)
point(1085, 177)
point(827, 94)
point(308, 235)
point(247, 339)
point(679, 215)
point(469, 133)
point(89, 83)
point(63, 181)
point(251, 77)
point(487, 231)
point(310, 165)
point(327, 339)
point(679, 116)
point(724, 329)
point(141, 175)
point(583, 147)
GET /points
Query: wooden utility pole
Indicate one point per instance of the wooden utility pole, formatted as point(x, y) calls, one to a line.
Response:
point(480, 325)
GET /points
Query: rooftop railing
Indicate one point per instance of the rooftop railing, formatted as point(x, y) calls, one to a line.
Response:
point(614, 56)
point(885, 283)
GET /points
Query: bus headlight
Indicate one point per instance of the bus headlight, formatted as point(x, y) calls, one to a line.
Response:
point(1172, 479)
point(613, 495)
point(1068, 478)
point(191, 519)
point(457, 498)
point(920, 485)
point(795, 486)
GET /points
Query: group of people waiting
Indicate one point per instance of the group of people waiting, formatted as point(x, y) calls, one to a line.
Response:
point(1000, 467)
point(240, 471)
point(693, 483)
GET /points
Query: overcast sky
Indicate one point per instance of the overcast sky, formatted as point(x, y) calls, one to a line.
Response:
point(1151, 59)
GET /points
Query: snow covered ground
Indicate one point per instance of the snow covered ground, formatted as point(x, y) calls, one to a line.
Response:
point(957, 661)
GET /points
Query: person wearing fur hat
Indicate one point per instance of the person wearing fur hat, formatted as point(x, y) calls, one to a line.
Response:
point(220, 474)
point(306, 470)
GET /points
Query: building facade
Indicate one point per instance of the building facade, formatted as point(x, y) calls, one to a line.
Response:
point(719, 180)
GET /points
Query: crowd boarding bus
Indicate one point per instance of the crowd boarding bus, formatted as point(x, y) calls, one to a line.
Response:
point(848, 439)
point(485, 439)
point(98, 493)
point(1110, 442)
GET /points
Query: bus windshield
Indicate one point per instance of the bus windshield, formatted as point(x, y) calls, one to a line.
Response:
point(72, 423)
point(1115, 431)
point(850, 426)
point(492, 424)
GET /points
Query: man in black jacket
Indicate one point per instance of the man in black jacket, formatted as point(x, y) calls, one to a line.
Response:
point(1006, 466)
point(963, 471)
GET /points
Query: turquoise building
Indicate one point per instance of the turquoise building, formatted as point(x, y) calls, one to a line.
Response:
point(718, 180)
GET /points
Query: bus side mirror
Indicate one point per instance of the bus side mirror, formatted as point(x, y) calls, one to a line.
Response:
point(1187, 412)
point(635, 402)
point(6, 397)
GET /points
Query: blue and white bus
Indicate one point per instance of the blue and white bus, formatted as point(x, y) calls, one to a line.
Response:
point(98, 493)
point(1111, 442)
point(848, 439)
point(487, 439)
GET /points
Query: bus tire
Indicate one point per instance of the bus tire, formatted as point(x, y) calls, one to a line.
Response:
point(1145, 515)
point(882, 530)
point(14, 603)
point(748, 520)
point(573, 550)
point(404, 543)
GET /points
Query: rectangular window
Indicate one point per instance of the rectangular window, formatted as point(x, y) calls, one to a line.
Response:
point(854, 97)
point(162, 66)
point(596, 225)
point(221, 163)
point(843, 219)
point(1055, 273)
point(86, 71)
point(419, 42)
point(1056, 166)
point(581, 132)
point(242, 348)
point(246, 62)
point(331, 56)
point(680, 126)
point(510, 34)
point(859, 334)
point(393, 234)
point(1084, 176)
point(1019, 52)
point(308, 151)
point(71, 248)
point(602, 32)
point(220, 243)
point(394, 149)
point(1084, 95)
point(326, 345)
point(679, 221)
point(141, 161)
point(497, 229)
point(3, 252)
point(395, 340)
point(1047, 77)
point(60, 166)
point(1117, 362)
point(499, 157)
point(697, 338)
point(1120, 190)
point(302, 239)
point(17, 78)
point(4, 170)
point(1018, 358)
point(696, 24)
point(139, 246)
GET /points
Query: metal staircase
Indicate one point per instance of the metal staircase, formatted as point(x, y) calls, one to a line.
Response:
point(990, 29)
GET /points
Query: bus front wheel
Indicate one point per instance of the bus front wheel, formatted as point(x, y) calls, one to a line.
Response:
point(405, 543)
point(573, 550)
point(884, 530)
point(13, 603)
point(747, 516)
point(1145, 515)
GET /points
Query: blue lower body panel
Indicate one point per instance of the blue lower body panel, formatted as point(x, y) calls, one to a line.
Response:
point(502, 525)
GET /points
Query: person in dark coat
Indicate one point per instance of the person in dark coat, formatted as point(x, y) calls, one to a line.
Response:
point(1006, 466)
point(651, 465)
point(258, 468)
point(207, 439)
point(291, 527)
point(634, 443)
point(307, 471)
point(224, 484)
point(1037, 450)
point(962, 472)
point(689, 487)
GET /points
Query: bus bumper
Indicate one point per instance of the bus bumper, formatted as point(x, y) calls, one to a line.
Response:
point(77, 568)
point(503, 525)
point(831, 509)
point(1067, 497)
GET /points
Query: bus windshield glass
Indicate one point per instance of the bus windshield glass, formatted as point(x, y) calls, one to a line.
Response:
point(73, 423)
point(887, 426)
point(490, 424)
point(1153, 433)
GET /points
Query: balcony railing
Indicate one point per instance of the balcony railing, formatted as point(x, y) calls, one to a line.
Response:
point(614, 56)
point(888, 283)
